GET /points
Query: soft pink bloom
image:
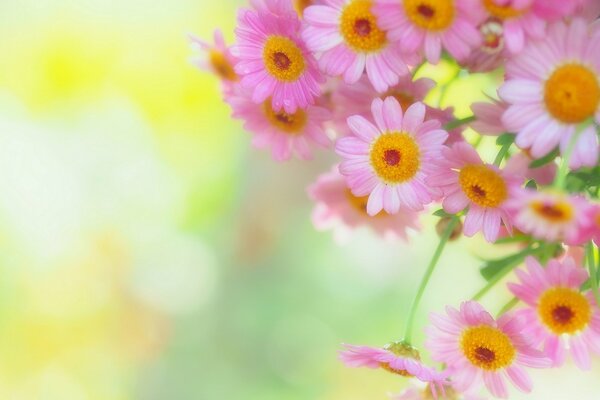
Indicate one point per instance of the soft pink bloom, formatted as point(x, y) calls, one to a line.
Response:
point(216, 58)
point(273, 60)
point(558, 315)
point(520, 164)
point(489, 117)
point(427, 28)
point(347, 35)
point(492, 52)
point(398, 358)
point(390, 160)
point(467, 182)
point(285, 133)
point(478, 349)
point(337, 208)
point(421, 391)
point(592, 231)
point(553, 90)
point(548, 215)
point(557, 9)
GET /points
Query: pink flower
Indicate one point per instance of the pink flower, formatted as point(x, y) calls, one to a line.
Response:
point(478, 349)
point(547, 215)
point(520, 20)
point(491, 53)
point(592, 231)
point(389, 161)
point(489, 117)
point(427, 26)
point(336, 207)
point(553, 89)
point(285, 133)
point(519, 164)
point(483, 188)
point(350, 41)
point(273, 60)
point(420, 391)
point(217, 58)
point(398, 358)
point(558, 314)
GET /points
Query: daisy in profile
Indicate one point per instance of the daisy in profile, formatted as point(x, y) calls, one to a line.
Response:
point(285, 133)
point(389, 161)
point(217, 58)
point(338, 209)
point(478, 349)
point(488, 117)
point(558, 314)
point(273, 60)
point(467, 182)
point(491, 53)
point(350, 41)
point(398, 358)
point(549, 215)
point(428, 26)
point(553, 89)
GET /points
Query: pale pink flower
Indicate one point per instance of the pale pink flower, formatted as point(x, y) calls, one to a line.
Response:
point(421, 391)
point(389, 161)
point(519, 164)
point(273, 60)
point(478, 349)
point(398, 358)
point(553, 90)
point(553, 10)
point(467, 182)
point(285, 133)
point(492, 52)
point(489, 117)
point(558, 315)
point(350, 41)
point(549, 215)
point(216, 58)
point(592, 230)
point(338, 209)
point(429, 26)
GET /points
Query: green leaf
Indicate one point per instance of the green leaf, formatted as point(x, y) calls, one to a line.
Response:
point(513, 239)
point(505, 139)
point(548, 158)
point(531, 184)
point(492, 268)
point(441, 213)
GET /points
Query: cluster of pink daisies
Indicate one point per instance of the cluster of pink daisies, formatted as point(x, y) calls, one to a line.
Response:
point(341, 75)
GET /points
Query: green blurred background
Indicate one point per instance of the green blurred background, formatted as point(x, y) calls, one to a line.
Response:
point(147, 252)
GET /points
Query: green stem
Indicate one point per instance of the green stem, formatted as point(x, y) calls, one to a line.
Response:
point(563, 168)
point(508, 306)
point(501, 154)
point(425, 280)
point(459, 122)
point(591, 262)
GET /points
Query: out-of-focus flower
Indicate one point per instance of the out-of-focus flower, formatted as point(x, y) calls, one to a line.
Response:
point(491, 53)
point(484, 189)
point(217, 58)
point(519, 163)
point(337, 208)
point(559, 316)
point(389, 162)
point(428, 26)
point(552, 88)
point(285, 133)
point(420, 391)
point(489, 117)
point(274, 61)
point(478, 349)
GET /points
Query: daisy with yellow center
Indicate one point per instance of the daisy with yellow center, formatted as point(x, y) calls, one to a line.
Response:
point(478, 349)
point(483, 188)
point(389, 162)
point(218, 58)
point(427, 26)
point(559, 315)
point(349, 36)
point(554, 93)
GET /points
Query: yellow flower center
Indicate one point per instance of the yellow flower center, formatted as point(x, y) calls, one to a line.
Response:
point(283, 58)
point(395, 156)
point(222, 66)
point(487, 347)
point(572, 93)
point(503, 12)
point(292, 124)
point(482, 185)
point(564, 310)
point(432, 15)
point(402, 350)
point(359, 27)
point(553, 212)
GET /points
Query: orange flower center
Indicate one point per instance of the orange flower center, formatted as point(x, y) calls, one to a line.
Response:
point(432, 15)
point(283, 58)
point(359, 27)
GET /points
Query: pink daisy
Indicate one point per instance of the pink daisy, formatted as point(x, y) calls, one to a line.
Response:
point(217, 58)
point(592, 231)
point(398, 358)
point(429, 25)
point(491, 53)
point(521, 21)
point(489, 117)
point(483, 188)
point(337, 208)
point(547, 215)
point(519, 164)
point(558, 314)
point(350, 41)
point(285, 133)
point(476, 348)
point(389, 161)
point(553, 90)
point(273, 60)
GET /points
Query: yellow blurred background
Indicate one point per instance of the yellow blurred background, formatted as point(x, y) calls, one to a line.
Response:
point(146, 252)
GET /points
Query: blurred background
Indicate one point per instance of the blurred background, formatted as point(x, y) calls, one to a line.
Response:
point(147, 252)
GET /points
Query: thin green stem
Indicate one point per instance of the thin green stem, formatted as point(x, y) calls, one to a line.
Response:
point(501, 154)
point(591, 262)
point(563, 168)
point(425, 280)
point(508, 306)
point(459, 122)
